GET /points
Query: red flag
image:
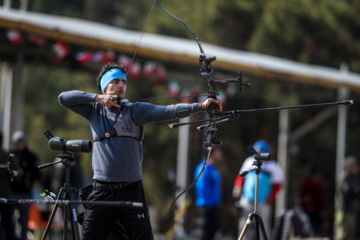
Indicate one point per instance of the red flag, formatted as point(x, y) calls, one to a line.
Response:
point(61, 49)
point(135, 70)
point(149, 68)
point(124, 60)
point(14, 36)
point(160, 73)
point(84, 57)
point(108, 56)
point(37, 41)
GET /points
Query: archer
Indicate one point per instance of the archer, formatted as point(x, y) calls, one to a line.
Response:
point(117, 126)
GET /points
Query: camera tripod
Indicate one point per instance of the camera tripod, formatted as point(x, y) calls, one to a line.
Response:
point(65, 193)
point(255, 215)
point(65, 200)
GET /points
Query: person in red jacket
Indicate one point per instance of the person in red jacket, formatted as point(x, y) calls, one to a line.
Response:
point(312, 199)
point(270, 183)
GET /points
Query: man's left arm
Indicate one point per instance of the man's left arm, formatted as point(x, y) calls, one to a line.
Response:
point(146, 113)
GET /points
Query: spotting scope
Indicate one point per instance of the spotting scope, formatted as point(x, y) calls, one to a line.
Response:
point(57, 143)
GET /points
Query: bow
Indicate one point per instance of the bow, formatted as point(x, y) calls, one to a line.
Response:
point(210, 129)
point(206, 71)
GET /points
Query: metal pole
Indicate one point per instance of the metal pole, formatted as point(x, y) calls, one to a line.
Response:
point(23, 5)
point(6, 92)
point(182, 167)
point(7, 4)
point(343, 93)
point(281, 200)
point(18, 92)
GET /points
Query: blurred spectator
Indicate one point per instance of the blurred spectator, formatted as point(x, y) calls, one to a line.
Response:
point(348, 201)
point(270, 183)
point(312, 199)
point(292, 223)
point(5, 192)
point(208, 193)
point(23, 183)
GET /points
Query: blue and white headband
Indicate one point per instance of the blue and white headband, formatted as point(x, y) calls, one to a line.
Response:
point(109, 76)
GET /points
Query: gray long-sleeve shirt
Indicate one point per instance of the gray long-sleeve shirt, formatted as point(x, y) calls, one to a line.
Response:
point(119, 159)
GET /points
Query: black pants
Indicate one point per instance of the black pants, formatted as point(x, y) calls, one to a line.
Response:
point(7, 222)
point(99, 220)
point(211, 217)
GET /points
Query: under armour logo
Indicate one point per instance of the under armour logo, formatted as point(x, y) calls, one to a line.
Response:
point(126, 129)
point(141, 215)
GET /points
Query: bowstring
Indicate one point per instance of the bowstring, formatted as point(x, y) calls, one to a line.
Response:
point(142, 34)
point(128, 70)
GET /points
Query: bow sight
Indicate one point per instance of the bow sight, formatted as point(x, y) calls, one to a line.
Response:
point(206, 71)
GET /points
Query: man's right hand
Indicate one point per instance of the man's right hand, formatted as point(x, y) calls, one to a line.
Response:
point(108, 101)
point(209, 101)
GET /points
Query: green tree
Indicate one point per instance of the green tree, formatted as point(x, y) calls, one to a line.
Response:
point(315, 32)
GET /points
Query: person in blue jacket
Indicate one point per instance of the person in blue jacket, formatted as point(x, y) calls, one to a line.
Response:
point(208, 193)
point(117, 127)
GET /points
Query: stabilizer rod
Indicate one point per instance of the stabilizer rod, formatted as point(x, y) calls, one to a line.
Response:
point(345, 102)
point(221, 117)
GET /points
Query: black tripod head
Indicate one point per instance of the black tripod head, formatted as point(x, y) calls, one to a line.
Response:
point(259, 157)
point(66, 158)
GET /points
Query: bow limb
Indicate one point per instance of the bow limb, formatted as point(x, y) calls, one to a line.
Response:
point(128, 70)
point(193, 183)
point(192, 32)
point(204, 62)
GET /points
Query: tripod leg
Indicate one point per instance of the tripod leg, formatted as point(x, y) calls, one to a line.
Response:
point(73, 217)
point(262, 227)
point(65, 228)
point(257, 232)
point(247, 224)
point(49, 222)
point(51, 217)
